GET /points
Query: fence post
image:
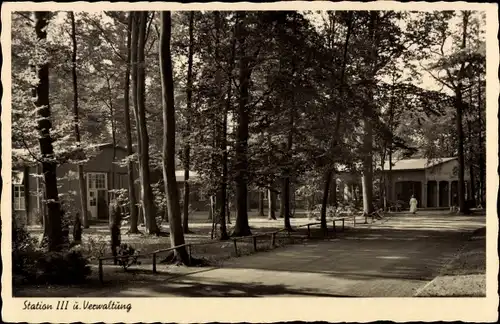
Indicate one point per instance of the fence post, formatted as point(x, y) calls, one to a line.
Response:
point(100, 270)
point(334, 228)
point(343, 223)
point(189, 249)
point(254, 238)
point(154, 262)
point(235, 247)
point(308, 231)
point(273, 239)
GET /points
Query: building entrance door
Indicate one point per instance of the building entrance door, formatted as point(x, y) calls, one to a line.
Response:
point(97, 190)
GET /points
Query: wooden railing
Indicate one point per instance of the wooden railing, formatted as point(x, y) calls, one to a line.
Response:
point(189, 246)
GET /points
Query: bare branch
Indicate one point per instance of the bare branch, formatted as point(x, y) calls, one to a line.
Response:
point(103, 32)
point(25, 16)
point(449, 85)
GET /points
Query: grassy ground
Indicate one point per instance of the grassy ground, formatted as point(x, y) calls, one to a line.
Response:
point(95, 243)
point(465, 275)
point(95, 240)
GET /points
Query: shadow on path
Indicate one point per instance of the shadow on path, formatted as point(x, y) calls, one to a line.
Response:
point(185, 287)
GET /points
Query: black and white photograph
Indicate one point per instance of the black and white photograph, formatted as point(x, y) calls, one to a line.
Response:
point(217, 150)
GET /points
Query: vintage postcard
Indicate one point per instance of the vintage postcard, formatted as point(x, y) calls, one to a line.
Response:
point(249, 162)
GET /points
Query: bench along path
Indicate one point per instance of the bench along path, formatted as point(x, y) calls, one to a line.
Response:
point(390, 259)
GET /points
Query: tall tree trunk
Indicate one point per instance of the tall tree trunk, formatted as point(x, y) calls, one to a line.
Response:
point(133, 76)
point(459, 122)
point(336, 134)
point(388, 176)
point(471, 166)
point(261, 203)
point(481, 160)
point(286, 200)
point(228, 109)
point(332, 198)
point(81, 177)
point(221, 135)
point(271, 197)
point(324, 201)
point(461, 159)
point(49, 166)
point(148, 203)
point(367, 179)
point(132, 198)
point(167, 85)
point(113, 135)
point(242, 228)
point(286, 173)
point(187, 148)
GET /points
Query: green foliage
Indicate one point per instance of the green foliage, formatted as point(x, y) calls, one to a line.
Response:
point(31, 264)
point(68, 267)
point(309, 73)
point(96, 247)
point(25, 252)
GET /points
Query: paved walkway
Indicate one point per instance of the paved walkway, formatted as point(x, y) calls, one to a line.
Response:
point(390, 258)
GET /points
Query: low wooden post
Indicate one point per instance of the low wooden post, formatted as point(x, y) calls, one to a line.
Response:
point(334, 228)
point(343, 224)
point(235, 247)
point(189, 250)
point(273, 239)
point(254, 238)
point(100, 270)
point(308, 230)
point(154, 262)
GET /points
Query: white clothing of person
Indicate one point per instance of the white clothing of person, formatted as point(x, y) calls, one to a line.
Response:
point(413, 205)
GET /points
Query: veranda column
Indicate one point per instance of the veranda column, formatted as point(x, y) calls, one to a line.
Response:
point(437, 194)
point(450, 202)
point(423, 203)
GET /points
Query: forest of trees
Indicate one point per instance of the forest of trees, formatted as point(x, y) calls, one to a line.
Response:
point(264, 100)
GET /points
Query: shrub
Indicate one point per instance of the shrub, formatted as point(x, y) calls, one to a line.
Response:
point(96, 247)
point(31, 264)
point(25, 253)
point(68, 267)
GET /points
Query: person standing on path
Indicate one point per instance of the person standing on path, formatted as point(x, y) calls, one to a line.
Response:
point(413, 204)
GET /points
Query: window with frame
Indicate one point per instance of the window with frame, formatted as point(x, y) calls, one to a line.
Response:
point(18, 196)
point(97, 181)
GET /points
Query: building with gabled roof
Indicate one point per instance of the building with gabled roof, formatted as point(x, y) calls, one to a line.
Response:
point(434, 182)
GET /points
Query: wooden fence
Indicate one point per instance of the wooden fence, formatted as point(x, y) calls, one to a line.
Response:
point(189, 246)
